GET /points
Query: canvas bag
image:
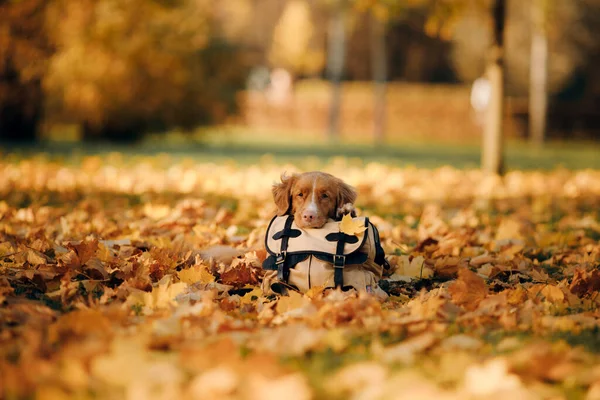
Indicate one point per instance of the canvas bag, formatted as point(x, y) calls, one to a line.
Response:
point(325, 257)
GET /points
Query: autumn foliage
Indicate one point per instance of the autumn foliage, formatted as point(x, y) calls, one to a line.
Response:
point(138, 278)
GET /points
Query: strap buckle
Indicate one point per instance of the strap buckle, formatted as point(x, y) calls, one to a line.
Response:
point(282, 271)
point(280, 258)
point(339, 260)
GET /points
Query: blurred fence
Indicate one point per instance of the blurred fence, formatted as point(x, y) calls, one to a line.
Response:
point(413, 111)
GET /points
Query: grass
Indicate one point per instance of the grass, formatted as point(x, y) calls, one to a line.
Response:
point(309, 151)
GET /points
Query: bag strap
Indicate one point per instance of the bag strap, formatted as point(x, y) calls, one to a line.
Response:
point(379, 253)
point(283, 268)
point(339, 259)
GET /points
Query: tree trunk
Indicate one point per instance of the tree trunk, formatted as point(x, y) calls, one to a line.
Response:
point(492, 157)
point(20, 109)
point(24, 50)
point(336, 49)
point(379, 67)
point(538, 74)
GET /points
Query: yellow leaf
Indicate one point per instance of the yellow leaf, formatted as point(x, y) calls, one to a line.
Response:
point(350, 226)
point(553, 294)
point(115, 367)
point(6, 248)
point(336, 339)
point(314, 292)
point(509, 229)
point(490, 378)
point(162, 295)
point(407, 350)
point(417, 269)
point(248, 297)
point(292, 301)
point(156, 211)
point(411, 269)
point(195, 274)
point(34, 257)
point(51, 392)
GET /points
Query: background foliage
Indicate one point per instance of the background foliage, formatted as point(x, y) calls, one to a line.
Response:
point(119, 69)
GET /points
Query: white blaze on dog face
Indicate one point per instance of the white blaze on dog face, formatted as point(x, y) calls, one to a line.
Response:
point(313, 199)
point(312, 206)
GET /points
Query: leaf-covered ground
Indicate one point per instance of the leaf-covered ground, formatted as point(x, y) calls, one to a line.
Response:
point(137, 279)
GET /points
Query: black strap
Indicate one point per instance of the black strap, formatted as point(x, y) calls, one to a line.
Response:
point(379, 253)
point(339, 259)
point(293, 258)
point(283, 268)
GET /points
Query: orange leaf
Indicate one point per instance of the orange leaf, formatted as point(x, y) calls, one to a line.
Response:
point(468, 290)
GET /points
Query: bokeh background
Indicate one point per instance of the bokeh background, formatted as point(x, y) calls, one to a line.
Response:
point(139, 142)
point(294, 76)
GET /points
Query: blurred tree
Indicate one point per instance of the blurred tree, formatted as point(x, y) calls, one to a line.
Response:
point(538, 72)
point(568, 42)
point(379, 66)
point(24, 50)
point(443, 21)
point(125, 68)
point(336, 54)
point(293, 46)
point(492, 159)
point(340, 11)
point(438, 15)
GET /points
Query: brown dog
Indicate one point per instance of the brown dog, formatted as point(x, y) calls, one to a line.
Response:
point(313, 197)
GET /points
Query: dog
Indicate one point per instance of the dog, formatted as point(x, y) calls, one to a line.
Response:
point(313, 198)
point(305, 244)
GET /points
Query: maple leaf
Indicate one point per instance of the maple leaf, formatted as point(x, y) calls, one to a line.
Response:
point(509, 229)
point(197, 273)
point(468, 290)
point(553, 294)
point(585, 283)
point(411, 269)
point(162, 295)
point(293, 301)
point(84, 249)
point(241, 272)
point(6, 248)
point(34, 257)
point(350, 226)
point(251, 296)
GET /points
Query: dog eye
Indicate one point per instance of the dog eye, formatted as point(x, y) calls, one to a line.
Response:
point(324, 196)
point(299, 194)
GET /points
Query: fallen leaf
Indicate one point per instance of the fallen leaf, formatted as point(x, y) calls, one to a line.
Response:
point(491, 378)
point(468, 290)
point(509, 229)
point(84, 249)
point(293, 301)
point(406, 351)
point(553, 294)
point(585, 283)
point(350, 226)
point(197, 273)
point(34, 257)
point(251, 296)
point(162, 295)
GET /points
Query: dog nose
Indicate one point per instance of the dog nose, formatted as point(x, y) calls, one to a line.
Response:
point(308, 216)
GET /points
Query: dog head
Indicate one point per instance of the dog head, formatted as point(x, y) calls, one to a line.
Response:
point(312, 198)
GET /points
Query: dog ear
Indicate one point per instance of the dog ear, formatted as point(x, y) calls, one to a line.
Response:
point(282, 194)
point(346, 194)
